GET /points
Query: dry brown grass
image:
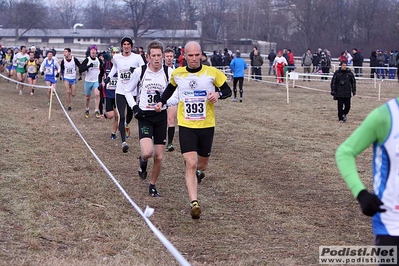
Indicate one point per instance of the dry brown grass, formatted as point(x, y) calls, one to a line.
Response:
point(272, 194)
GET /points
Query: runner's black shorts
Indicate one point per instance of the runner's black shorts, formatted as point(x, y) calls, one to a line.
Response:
point(154, 126)
point(110, 104)
point(196, 139)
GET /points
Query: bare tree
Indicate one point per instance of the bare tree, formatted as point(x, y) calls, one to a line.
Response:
point(99, 14)
point(26, 15)
point(139, 15)
point(67, 13)
point(213, 15)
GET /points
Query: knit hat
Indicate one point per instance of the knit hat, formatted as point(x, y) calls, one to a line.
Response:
point(115, 49)
point(238, 54)
point(93, 47)
point(126, 39)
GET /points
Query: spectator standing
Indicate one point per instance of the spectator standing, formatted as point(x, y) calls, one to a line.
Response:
point(204, 59)
point(251, 57)
point(316, 61)
point(343, 85)
point(380, 64)
point(357, 61)
point(349, 57)
point(392, 65)
point(325, 63)
point(307, 59)
point(271, 56)
point(342, 58)
point(258, 62)
point(373, 63)
point(291, 61)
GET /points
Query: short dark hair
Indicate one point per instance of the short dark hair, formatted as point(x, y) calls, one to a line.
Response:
point(169, 50)
point(68, 49)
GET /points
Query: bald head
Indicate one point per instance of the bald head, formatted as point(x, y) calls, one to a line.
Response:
point(192, 53)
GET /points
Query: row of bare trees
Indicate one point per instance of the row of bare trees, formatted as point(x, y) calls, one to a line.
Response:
point(297, 24)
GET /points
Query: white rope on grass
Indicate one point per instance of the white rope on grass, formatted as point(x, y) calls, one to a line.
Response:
point(26, 84)
point(147, 212)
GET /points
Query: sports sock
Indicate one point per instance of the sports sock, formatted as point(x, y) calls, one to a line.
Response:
point(171, 134)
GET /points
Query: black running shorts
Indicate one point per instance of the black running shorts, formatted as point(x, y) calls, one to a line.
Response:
point(196, 139)
point(109, 104)
point(154, 126)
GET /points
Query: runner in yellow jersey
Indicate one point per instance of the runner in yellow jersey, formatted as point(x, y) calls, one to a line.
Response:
point(32, 68)
point(197, 95)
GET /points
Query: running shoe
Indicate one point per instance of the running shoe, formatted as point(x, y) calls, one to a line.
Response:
point(170, 147)
point(240, 100)
point(20, 92)
point(142, 169)
point(125, 147)
point(87, 113)
point(200, 175)
point(97, 113)
point(195, 210)
point(127, 131)
point(234, 100)
point(153, 191)
point(31, 94)
point(69, 108)
point(344, 117)
point(113, 136)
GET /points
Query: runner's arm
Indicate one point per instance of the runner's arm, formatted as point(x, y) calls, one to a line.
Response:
point(374, 128)
point(83, 67)
point(170, 89)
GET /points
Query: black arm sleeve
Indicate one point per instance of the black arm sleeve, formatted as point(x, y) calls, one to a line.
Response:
point(224, 91)
point(83, 67)
point(77, 63)
point(62, 66)
point(101, 75)
point(170, 89)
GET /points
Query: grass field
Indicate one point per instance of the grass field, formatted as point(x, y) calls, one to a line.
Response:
point(272, 194)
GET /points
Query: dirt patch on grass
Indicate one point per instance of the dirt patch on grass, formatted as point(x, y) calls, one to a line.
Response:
point(272, 194)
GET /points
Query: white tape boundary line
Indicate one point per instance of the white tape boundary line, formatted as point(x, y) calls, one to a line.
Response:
point(25, 84)
point(148, 211)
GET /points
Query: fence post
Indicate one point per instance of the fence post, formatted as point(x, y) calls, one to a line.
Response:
point(287, 86)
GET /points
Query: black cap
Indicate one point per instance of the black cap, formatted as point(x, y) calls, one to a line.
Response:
point(126, 39)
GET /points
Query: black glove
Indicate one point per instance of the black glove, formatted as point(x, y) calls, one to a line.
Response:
point(42, 73)
point(107, 80)
point(132, 69)
point(332, 93)
point(91, 65)
point(369, 203)
point(335, 98)
point(138, 113)
point(57, 75)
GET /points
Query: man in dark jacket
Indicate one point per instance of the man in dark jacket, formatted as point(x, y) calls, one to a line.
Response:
point(357, 61)
point(271, 57)
point(343, 85)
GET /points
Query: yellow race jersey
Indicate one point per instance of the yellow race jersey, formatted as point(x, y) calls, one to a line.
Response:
point(194, 110)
